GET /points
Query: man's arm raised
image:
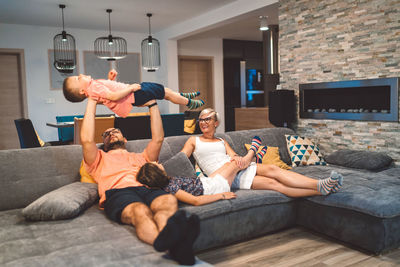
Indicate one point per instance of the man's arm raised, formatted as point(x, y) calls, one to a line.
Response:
point(157, 132)
point(89, 147)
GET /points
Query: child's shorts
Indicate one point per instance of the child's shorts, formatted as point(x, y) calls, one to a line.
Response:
point(215, 185)
point(148, 92)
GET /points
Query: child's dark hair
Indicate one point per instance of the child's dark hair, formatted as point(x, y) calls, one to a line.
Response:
point(69, 95)
point(152, 176)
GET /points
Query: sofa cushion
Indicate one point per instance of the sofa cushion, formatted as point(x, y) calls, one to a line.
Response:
point(251, 214)
point(303, 151)
point(271, 156)
point(63, 203)
point(87, 240)
point(138, 146)
point(85, 176)
point(373, 193)
point(176, 143)
point(27, 174)
point(189, 126)
point(368, 160)
point(179, 165)
point(270, 137)
point(367, 200)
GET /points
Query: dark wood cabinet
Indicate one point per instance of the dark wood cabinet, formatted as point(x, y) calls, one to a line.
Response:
point(236, 51)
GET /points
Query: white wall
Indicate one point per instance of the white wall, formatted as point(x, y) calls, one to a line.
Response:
point(35, 41)
point(203, 47)
point(209, 48)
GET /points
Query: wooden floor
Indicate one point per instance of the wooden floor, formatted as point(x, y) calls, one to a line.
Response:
point(295, 247)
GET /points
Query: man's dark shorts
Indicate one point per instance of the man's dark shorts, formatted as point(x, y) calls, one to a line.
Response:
point(148, 92)
point(118, 199)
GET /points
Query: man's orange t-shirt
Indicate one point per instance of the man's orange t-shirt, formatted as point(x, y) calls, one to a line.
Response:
point(115, 169)
point(98, 89)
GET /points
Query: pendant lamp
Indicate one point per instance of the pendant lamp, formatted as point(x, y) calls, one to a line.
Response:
point(110, 47)
point(150, 51)
point(64, 50)
point(263, 23)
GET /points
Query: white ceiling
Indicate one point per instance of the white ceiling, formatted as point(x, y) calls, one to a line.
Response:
point(130, 15)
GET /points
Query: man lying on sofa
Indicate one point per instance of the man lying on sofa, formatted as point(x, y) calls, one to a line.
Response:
point(152, 212)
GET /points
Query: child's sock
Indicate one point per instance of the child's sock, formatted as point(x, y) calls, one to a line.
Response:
point(193, 104)
point(260, 155)
point(255, 144)
point(190, 95)
point(339, 178)
point(328, 185)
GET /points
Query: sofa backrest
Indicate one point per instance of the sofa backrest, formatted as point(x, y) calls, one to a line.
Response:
point(270, 136)
point(27, 174)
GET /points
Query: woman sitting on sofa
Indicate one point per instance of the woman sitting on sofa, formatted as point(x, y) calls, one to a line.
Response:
point(214, 154)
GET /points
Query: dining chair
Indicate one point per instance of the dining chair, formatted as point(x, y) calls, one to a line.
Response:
point(26, 133)
point(28, 137)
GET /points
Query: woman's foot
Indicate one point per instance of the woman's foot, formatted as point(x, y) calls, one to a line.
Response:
point(260, 155)
point(331, 184)
point(255, 144)
point(339, 178)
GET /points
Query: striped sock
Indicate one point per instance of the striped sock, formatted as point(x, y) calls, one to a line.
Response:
point(190, 95)
point(193, 104)
point(255, 144)
point(326, 186)
point(260, 155)
point(339, 178)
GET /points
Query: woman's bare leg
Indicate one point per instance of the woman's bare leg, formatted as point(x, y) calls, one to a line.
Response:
point(228, 171)
point(286, 177)
point(261, 182)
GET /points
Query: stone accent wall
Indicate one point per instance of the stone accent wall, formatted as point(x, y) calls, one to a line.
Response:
point(335, 40)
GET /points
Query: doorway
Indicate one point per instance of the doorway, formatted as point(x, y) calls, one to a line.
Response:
point(13, 95)
point(196, 74)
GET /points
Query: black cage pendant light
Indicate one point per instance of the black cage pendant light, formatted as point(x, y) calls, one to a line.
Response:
point(150, 51)
point(110, 47)
point(64, 50)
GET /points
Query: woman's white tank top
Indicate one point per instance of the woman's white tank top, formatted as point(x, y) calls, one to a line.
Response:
point(210, 156)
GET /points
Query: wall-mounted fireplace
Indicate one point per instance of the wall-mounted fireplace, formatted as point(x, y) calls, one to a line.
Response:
point(363, 100)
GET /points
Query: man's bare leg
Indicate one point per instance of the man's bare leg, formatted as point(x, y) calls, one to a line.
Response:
point(163, 207)
point(140, 216)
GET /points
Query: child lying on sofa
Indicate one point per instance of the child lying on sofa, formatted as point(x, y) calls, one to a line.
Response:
point(194, 191)
point(119, 97)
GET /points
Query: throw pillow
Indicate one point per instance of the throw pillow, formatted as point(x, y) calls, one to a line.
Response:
point(368, 160)
point(199, 172)
point(303, 151)
point(271, 157)
point(189, 126)
point(85, 176)
point(179, 165)
point(63, 203)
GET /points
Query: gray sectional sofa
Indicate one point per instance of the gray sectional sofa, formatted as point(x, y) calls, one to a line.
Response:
point(365, 214)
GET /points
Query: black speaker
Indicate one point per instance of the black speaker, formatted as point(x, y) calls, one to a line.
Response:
point(281, 107)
